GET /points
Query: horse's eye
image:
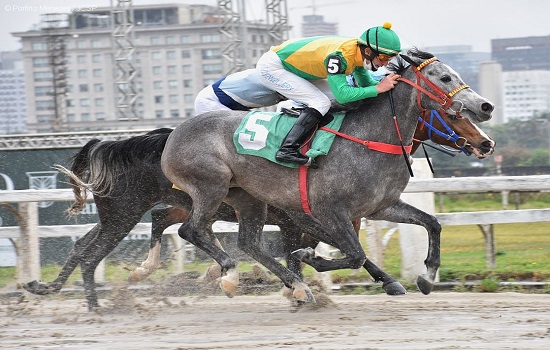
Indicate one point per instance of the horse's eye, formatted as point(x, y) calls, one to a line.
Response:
point(446, 78)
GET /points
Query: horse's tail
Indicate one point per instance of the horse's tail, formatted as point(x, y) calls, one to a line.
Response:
point(78, 175)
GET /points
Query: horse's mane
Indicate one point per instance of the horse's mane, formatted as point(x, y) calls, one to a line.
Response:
point(147, 147)
point(398, 66)
point(105, 161)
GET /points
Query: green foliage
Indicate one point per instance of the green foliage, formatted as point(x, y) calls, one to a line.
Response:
point(520, 142)
point(488, 285)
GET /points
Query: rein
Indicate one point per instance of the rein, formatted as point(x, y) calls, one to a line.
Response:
point(372, 145)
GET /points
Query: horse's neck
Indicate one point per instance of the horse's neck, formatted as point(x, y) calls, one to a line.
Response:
point(376, 122)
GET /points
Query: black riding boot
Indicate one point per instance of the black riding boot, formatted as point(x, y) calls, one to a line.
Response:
point(289, 151)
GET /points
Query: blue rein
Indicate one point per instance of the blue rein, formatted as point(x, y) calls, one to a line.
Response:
point(451, 135)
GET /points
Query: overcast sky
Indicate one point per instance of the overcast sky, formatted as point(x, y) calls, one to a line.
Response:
point(419, 23)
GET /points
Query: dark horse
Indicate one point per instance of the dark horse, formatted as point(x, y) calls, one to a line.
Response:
point(351, 182)
point(129, 182)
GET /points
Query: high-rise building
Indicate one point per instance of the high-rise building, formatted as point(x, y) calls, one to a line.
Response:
point(524, 77)
point(519, 54)
point(12, 93)
point(178, 51)
point(526, 94)
point(314, 25)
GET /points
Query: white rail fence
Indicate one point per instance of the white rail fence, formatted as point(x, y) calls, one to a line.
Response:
point(28, 233)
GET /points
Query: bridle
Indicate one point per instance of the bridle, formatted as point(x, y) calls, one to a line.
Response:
point(450, 134)
point(445, 99)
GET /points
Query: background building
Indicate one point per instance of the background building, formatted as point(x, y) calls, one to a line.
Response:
point(314, 25)
point(178, 51)
point(12, 93)
point(525, 76)
point(525, 53)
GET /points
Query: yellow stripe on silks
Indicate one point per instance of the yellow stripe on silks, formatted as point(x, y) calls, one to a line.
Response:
point(462, 87)
point(302, 58)
point(176, 187)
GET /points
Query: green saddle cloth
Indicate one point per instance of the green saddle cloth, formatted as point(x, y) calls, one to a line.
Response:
point(261, 134)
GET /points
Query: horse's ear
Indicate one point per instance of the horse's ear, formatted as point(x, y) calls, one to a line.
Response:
point(408, 59)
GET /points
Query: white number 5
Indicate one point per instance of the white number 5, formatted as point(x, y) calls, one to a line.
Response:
point(333, 65)
point(258, 140)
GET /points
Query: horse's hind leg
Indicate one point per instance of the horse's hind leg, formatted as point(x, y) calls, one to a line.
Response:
point(161, 219)
point(107, 239)
point(75, 256)
point(407, 214)
point(252, 214)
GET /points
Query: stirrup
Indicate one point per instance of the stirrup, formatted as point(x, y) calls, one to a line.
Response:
point(311, 163)
point(290, 112)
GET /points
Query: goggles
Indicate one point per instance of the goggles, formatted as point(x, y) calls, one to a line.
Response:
point(382, 57)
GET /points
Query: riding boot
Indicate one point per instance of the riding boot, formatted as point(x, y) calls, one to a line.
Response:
point(302, 128)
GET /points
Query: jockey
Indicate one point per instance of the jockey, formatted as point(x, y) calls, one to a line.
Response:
point(239, 91)
point(291, 68)
point(242, 91)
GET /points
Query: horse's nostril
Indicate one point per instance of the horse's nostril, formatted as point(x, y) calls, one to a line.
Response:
point(487, 107)
point(486, 145)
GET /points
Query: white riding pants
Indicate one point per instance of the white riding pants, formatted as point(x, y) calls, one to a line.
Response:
point(275, 77)
point(207, 101)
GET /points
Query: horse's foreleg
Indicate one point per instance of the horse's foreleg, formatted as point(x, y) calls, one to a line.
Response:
point(390, 285)
point(201, 237)
point(404, 213)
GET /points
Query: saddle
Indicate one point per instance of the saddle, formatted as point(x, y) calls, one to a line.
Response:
point(261, 134)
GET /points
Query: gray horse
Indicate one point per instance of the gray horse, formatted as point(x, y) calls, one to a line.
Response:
point(351, 181)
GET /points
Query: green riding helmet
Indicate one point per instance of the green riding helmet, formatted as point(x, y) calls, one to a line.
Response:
point(381, 39)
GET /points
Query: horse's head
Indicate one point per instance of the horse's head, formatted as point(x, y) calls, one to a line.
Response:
point(458, 133)
point(441, 88)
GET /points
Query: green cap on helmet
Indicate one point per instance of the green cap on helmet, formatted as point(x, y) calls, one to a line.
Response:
point(381, 39)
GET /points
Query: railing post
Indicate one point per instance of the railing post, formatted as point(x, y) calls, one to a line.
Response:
point(490, 246)
point(179, 253)
point(413, 239)
point(28, 244)
point(99, 273)
point(375, 247)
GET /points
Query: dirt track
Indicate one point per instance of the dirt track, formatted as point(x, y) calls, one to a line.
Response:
point(414, 321)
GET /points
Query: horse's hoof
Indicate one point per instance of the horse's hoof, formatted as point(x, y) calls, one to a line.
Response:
point(424, 285)
point(213, 273)
point(138, 274)
point(301, 254)
point(230, 289)
point(303, 294)
point(38, 288)
point(287, 292)
point(230, 282)
point(394, 288)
